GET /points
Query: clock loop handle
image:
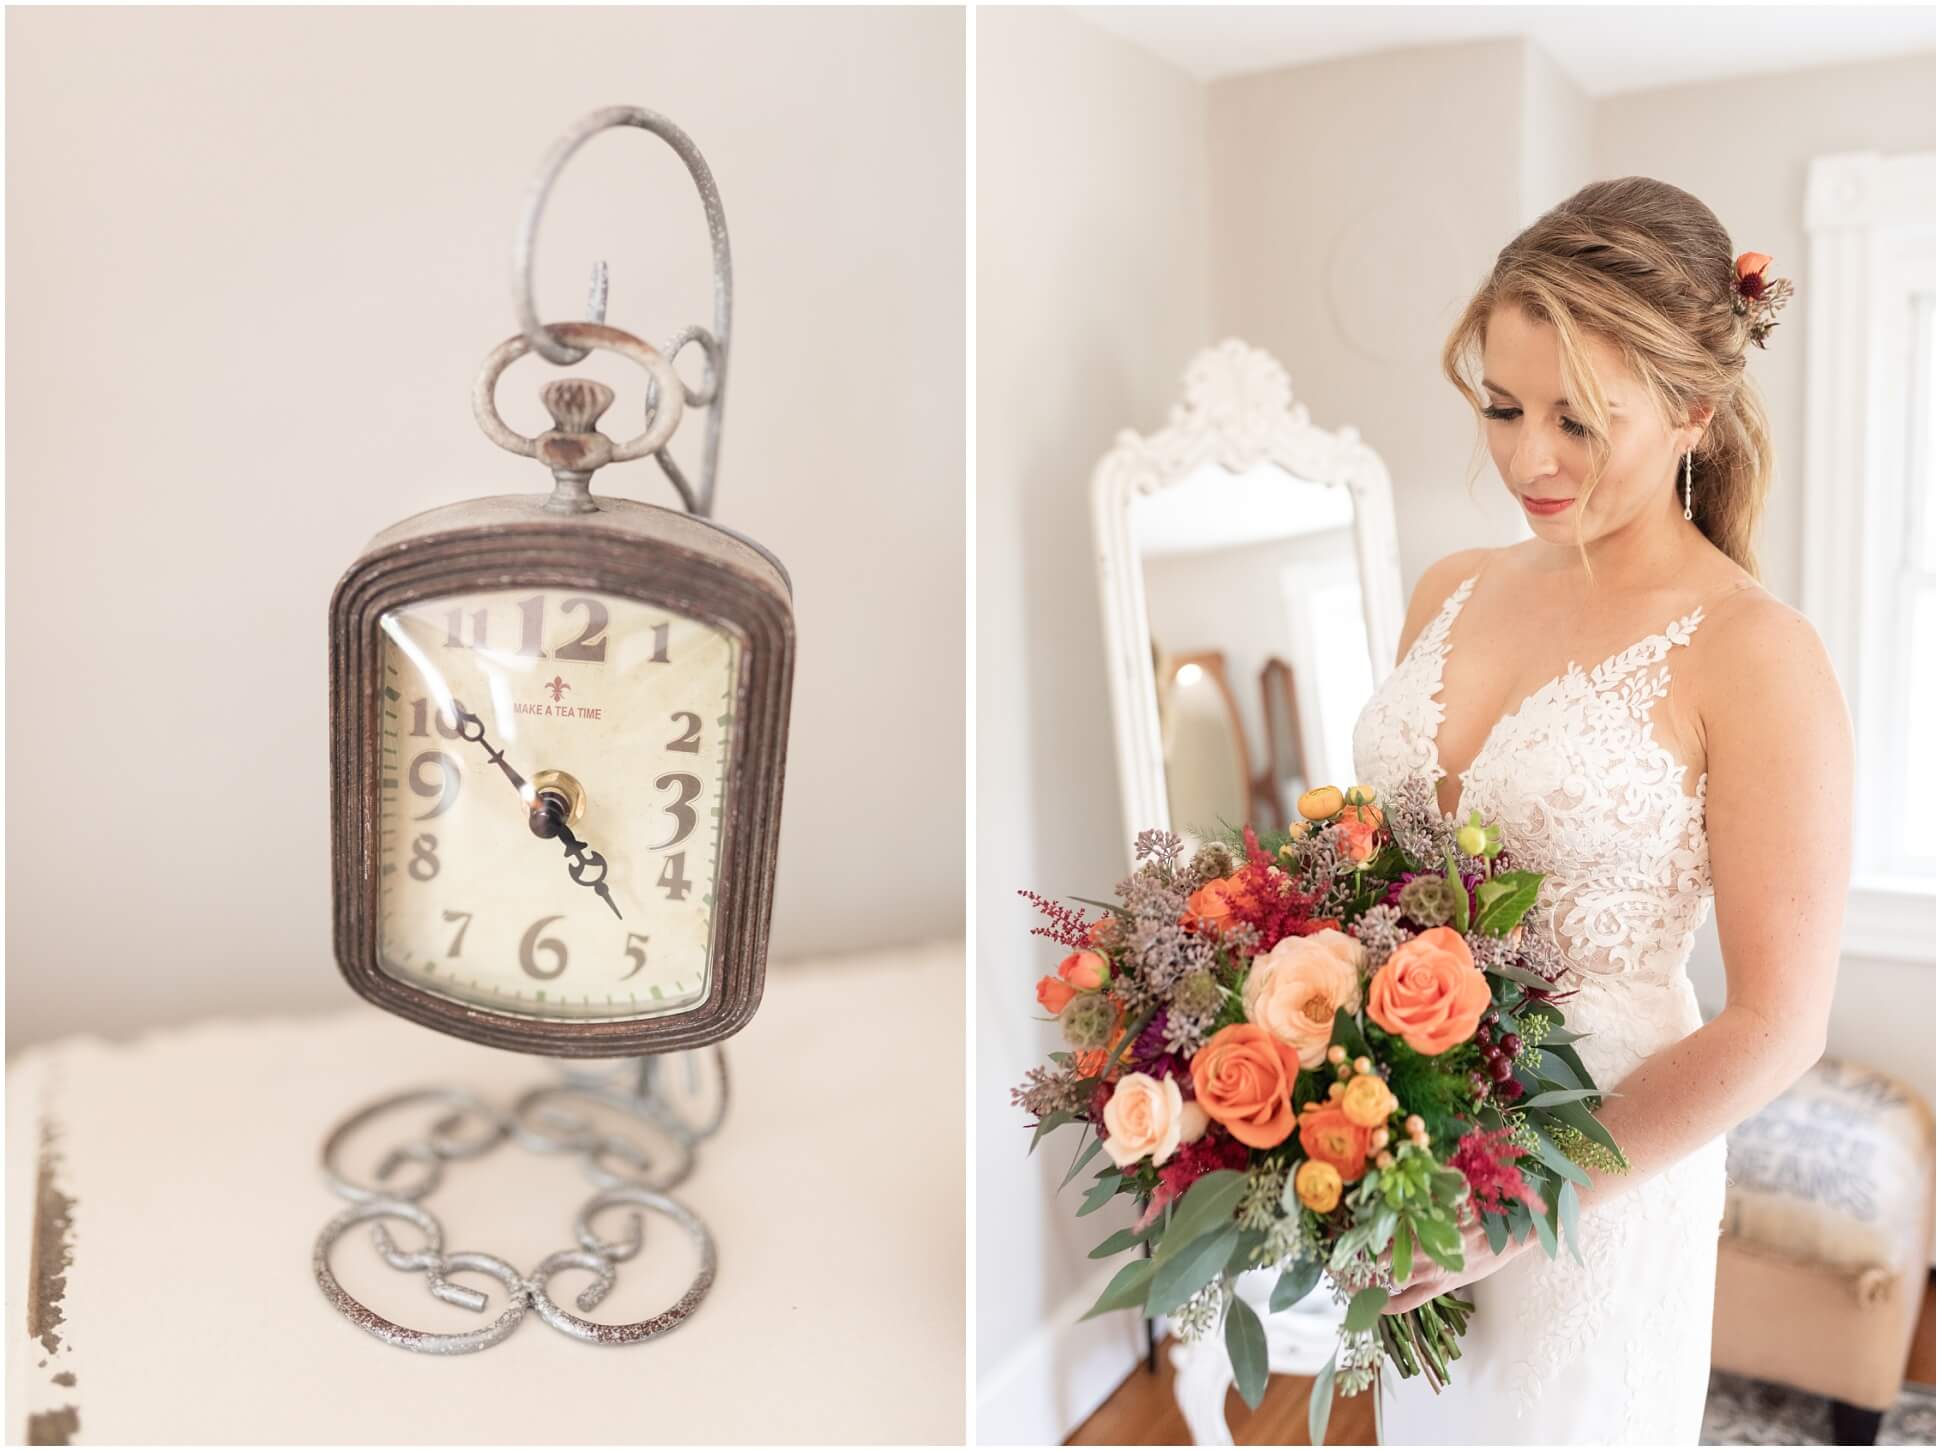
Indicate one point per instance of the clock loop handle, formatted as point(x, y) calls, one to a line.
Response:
point(662, 417)
point(553, 343)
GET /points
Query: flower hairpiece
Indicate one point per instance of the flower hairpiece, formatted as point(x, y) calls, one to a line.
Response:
point(1753, 293)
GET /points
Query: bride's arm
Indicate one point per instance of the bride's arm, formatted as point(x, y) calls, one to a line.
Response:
point(1779, 822)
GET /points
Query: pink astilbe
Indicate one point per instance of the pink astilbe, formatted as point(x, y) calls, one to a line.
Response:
point(1068, 925)
point(1487, 1160)
point(1269, 901)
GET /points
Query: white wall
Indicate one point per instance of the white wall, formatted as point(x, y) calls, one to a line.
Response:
point(255, 259)
point(1093, 280)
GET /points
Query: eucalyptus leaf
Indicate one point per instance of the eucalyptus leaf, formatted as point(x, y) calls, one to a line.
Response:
point(1294, 1285)
point(1544, 1225)
point(1365, 1309)
point(1128, 1289)
point(1497, 1232)
point(1567, 1054)
point(1320, 1404)
point(1188, 1271)
point(1554, 1157)
point(1085, 1155)
point(1585, 1122)
point(1100, 1194)
point(1210, 1203)
point(1117, 1242)
point(1242, 1257)
point(1049, 1122)
point(1519, 974)
point(1560, 1095)
point(1247, 1348)
point(1567, 1218)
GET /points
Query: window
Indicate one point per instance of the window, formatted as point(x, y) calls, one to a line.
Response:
point(1871, 521)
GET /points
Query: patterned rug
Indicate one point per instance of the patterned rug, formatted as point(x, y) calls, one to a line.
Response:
point(1743, 1412)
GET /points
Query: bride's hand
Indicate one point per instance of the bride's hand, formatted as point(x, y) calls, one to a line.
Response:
point(1429, 1279)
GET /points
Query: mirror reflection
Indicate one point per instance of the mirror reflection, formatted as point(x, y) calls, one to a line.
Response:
point(1260, 643)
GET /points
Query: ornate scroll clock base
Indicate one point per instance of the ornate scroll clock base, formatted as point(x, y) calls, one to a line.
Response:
point(558, 733)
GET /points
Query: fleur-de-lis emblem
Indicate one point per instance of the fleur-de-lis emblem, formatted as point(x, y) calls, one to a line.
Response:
point(557, 686)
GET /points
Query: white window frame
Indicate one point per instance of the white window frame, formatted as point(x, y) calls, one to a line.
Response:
point(1870, 250)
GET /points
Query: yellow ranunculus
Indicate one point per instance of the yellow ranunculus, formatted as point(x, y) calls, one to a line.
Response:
point(1323, 803)
point(1368, 1101)
point(1319, 1185)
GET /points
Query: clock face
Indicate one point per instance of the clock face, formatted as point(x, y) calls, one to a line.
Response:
point(552, 781)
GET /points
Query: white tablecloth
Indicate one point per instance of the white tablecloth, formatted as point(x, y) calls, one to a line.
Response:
point(189, 1312)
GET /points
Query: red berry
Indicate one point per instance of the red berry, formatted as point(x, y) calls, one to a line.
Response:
point(1512, 1089)
point(1500, 1069)
point(1512, 1044)
point(1484, 1037)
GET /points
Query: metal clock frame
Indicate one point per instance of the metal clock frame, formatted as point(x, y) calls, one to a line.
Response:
point(655, 556)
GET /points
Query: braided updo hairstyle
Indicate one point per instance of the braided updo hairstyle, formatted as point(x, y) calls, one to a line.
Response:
point(1648, 269)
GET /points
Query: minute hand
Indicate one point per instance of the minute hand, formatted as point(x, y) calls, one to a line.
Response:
point(547, 814)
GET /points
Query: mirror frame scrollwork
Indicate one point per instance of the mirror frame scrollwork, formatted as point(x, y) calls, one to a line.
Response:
point(1238, 412)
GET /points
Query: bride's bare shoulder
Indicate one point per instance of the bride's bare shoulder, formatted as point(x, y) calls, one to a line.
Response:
point(1436, 584)
point(1765, 673)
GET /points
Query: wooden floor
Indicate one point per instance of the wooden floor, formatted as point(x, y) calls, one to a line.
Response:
point(1142, 1412)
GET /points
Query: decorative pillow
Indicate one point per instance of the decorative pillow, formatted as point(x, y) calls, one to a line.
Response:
point(1838, 1170)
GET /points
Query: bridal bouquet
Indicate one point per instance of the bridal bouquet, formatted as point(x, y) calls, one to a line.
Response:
point(1321, 1051)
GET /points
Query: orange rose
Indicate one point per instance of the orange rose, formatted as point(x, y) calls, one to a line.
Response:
point(1329, 1135)
point(1354, 838)
point(1100, 931)
point(1212, 905)
point(1053, 994)
point(1085, 970)
point(1430, 992)
point(1244, 1079)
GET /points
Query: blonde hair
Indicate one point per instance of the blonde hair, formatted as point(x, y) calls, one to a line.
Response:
point(1648, 269)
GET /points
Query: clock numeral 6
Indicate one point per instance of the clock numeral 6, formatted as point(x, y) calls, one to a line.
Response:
point(532, 944)
point(446, 790)
point(638, 954)
point(424, 853)
point(683, 808)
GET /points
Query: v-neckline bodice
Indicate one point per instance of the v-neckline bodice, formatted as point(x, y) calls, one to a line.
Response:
point(1674, 632)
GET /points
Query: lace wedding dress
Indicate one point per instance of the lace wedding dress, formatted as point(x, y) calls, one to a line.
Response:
point(1615, 1350)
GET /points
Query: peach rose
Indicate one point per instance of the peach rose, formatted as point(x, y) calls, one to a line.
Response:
point(1053, 994)
point(1355, 839)
point(1244, 1079)
point(1318, 1184)
point(1293, 991)
point(1085, 970)
point(1368, 1100)
point(1430, 992)
point(1329, 1135)
point(1146, 1115)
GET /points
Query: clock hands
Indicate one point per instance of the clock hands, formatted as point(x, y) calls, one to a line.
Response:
point(547, 813)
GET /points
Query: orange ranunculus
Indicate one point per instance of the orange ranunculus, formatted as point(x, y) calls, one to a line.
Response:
point(1329, 1135)
point(1359, 805)
point(1368, 1100)
point(1091, 1060)
point(1085, 970)
point(1318, 1184)
point(1054, 993)
point(1354, 838)
point(1244, 1078)
point(1323, 803)
point(1430, 992)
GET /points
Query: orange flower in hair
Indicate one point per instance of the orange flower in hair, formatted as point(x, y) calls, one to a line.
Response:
point(1755, 294)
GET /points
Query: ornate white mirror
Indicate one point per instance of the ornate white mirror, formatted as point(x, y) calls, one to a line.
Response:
point(1253, 597)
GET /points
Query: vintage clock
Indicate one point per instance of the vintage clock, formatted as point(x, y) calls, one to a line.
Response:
point(558, 725)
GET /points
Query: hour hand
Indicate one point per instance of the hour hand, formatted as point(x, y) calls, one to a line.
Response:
point(585, 865)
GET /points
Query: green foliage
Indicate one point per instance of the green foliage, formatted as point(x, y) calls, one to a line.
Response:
point(1436, 1088)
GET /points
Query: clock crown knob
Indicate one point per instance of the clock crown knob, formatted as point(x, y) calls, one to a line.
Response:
point(576, 403)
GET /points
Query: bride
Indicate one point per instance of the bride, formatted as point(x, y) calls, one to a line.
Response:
point(1654, 730)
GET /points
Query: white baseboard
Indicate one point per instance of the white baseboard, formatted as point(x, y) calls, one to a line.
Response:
point(1045, 1387)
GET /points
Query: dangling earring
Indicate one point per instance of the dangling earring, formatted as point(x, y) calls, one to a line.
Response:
point(1688, 483)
